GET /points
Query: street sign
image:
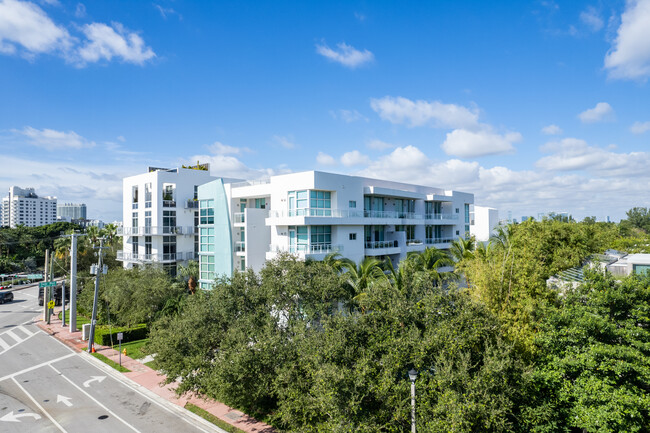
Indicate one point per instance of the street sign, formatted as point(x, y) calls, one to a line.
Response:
point(120, 336)
point(47, 284)
point(50, 304)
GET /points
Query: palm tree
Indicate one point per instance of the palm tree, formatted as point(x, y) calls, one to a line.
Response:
point(461, 249)
point(93, 234)
point(430, 260)
point(362, 276)
point(110, 231)
point(191, 272)
point(62, 250)
point(336, 261)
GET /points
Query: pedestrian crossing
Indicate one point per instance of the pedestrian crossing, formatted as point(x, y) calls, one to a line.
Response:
point(14, 337)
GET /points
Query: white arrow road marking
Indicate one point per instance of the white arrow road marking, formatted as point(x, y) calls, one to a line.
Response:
point(10, 417)
point(93, 379)
point(65, 400)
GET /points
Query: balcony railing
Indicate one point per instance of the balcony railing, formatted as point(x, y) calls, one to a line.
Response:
point(344, 213)
point(240, 247)
point(238, 217)
point(152, 230)
point(381, 244)
point(306, 249)
point(413, 242)
point(169, 203)
point(191, 204)
point(441, 216)
point(160, 257)
point(431, 241)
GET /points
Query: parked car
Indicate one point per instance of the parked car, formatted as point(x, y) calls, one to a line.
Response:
point(5, 286)
point(6, 297)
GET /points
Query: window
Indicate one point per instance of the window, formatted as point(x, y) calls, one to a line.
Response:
point(243, 264)
point(135, 245)
point(147, 244)
point(353, 236)
point(457, 232)
point(352, 204)
point(147, 195)
point(206, 211)
point(467, 214)
point(169, 221)
point(134, 220)
point(169, 247)
point(147, 221)
point(207, 267)
point(206, 242)
point(457, 210)
point(134, 193)
point(260, 203)
point(321, 237)
point(196, 192)
point(298, 238)
point(168, 195)
point(467, 232)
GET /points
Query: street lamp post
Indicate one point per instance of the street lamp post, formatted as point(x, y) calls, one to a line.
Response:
point(413, 374)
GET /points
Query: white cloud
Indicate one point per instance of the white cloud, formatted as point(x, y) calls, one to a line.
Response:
point(354, 157)
point(223, 149)
point(592, 19)
point(378, 145)
point(601, 112)
point(640, 127)
point(26, 27)
point(573, 154)
point(348, 116)
point(325, 159)
point(166, 12)
point(629, 57)
point(80, 10)
point(471, 144)
point(401, 110)
point(552, 130)
point(50, 139)
point(121, 138)
point(105, 42)
point(345, 54)
point(286, 142)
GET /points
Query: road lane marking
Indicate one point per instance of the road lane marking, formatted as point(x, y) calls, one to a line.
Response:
point(4, 345)
point(39, 406)
point(12, 335)
point(94, 399)
point(15, 345)
point(25, 330)
point(66, 400)
point(92, 379)
point(34, 367)
point(10, 417)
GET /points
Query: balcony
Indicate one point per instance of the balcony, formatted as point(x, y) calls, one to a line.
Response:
point(169, 203)
point(191, 204)
point(382, 248)
point(306, 250)
point(151, 258)
point(238, 218)
point(381, 245)
point(153, 230)
point(435, 241)
point(441, 216)
point(240, 247)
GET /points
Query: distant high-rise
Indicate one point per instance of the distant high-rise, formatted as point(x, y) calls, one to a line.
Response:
point(71, 211)
point(23, 207)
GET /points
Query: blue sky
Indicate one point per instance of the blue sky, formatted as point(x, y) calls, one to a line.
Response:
point(533, 106)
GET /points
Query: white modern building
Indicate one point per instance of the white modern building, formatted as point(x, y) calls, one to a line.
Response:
point(484, 221)
point(160, 214)
point(311, 214)
point(71, 211)
point(23, 207)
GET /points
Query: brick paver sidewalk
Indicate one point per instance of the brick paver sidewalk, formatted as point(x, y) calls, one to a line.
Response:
point(151, 379)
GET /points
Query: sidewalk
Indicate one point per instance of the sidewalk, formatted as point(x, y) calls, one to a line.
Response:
point(151, 379)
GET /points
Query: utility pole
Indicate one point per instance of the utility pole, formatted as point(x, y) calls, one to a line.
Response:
point(93, 319)
point(73, 282)
point(45, 275)
point(50, 290)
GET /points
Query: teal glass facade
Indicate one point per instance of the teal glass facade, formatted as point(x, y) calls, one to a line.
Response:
point(215, 236)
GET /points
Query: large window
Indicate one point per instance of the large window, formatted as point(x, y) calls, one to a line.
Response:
point(260, 203)
point(320, 202)
point(206, 240)
point(207, 271)
point(298, 239)
point(134, 195)
point(466, 213)
point(168, 193)
point(410, 232)
point(147, 195)
point(321, 238)
point(169, 221)
point(134, 222)
point(206, 210)
point(169, 247)
point(134, 245)
point(147, 222)
point(147, 244)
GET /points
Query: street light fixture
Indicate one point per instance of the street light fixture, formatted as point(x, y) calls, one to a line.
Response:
point(413, 375)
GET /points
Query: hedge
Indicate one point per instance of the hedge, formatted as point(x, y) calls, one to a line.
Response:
point(103, 334)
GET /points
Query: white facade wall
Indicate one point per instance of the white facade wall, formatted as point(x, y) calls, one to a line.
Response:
point(23, 207)
point(183, 182)
point(485, 221)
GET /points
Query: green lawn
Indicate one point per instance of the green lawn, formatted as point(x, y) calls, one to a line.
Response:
point(134, 349)
point(81, 320)
point(113, 364)
point(213, 419)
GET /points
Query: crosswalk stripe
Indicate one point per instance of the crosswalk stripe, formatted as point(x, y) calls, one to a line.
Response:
point(14, 336)
point(4, 345)
point(25, 330)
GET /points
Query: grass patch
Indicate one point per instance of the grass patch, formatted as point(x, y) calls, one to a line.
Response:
point(152, 365)
point(213, 419)
point(113, 364)
point(81, 320)
point(134, 349)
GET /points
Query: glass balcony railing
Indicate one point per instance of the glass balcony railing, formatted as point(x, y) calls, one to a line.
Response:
point(431, 241)
point(441, 216)
point(238, 217)
point(381, 244)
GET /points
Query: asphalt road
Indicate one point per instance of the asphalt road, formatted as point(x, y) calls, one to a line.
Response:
point(47, 387)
